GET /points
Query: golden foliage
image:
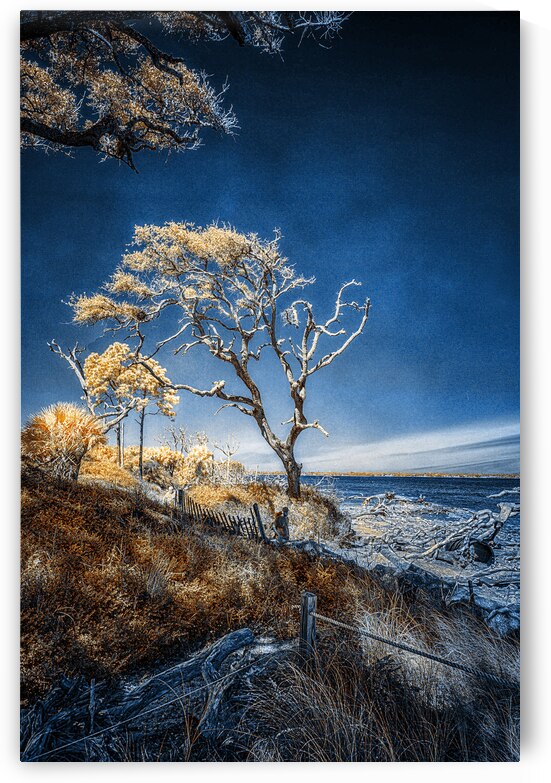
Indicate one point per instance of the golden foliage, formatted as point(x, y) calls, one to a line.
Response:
point(76, 90)
point(126, 283)
point(115, 373)
point(166, 467)
point(212, 272)
point(98, 307)
point(103, 452)
point(172, 248)
point(58, 437)
point(44, 99)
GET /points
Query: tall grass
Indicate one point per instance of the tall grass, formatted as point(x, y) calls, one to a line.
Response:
point(358, 704)
point(58, 437)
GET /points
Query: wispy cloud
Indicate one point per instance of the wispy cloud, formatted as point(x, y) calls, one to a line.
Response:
point(485, 447)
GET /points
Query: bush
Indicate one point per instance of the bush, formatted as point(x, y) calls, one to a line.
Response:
point(58, 437)
point(100, 464)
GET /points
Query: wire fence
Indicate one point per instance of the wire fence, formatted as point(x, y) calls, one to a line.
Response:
point(309, 614)
point(307, 648)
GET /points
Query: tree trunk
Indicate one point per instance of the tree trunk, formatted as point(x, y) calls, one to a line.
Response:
point(120, 444)
point(142, 420)
point(293, 470)
point(286, 453)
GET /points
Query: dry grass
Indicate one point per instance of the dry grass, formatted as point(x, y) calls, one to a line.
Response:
point(315, 515)
point(101, 465)
point(358, 706)
point(109, 586)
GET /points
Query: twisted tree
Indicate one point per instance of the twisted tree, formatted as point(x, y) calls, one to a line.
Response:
point(98, 79)
point(236, 297)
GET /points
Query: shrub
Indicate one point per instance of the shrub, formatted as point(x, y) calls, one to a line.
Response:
point(58, 437)
point(100, 464)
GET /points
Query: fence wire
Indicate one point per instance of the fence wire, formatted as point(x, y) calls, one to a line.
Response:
point(439, 659)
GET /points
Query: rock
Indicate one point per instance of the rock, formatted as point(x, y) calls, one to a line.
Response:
point(505, 620)
point(481, 552)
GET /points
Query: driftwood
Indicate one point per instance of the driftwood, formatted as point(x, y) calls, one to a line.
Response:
point(75, 709)
point(473, 541)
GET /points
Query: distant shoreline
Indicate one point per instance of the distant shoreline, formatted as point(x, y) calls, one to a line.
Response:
point(377, 474)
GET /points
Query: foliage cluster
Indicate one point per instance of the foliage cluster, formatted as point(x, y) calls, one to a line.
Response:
point(114, 378)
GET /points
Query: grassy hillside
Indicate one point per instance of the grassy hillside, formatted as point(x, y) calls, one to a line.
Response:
point(111, 586)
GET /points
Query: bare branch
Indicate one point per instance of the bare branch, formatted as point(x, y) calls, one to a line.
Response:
point(122, 415)
point(71, 357)
point(330, 357)
point(315, 425)
point(246, 411)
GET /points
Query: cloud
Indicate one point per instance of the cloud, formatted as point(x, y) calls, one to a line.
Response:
point(483, 447)
point(486, 447)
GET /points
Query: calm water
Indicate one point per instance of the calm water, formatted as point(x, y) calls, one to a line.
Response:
point(465, 493)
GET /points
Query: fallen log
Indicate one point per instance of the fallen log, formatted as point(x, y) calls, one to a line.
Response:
point(57, 727)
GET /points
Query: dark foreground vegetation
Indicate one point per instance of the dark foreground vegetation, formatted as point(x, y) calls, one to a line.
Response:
point(113, 593)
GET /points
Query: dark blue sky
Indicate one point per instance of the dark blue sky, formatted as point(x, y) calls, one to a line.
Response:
point(391, 157)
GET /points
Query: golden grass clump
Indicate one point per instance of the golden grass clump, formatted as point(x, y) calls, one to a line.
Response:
point(59, 436)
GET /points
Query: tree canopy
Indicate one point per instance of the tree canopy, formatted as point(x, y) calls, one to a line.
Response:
point(236, 296)
point(98, 79)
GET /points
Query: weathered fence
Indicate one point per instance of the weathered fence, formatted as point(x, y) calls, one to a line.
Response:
point(307, 641)
point(248, 525)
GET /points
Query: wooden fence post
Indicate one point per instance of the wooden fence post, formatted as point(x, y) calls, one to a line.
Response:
point(259, 523)
point(180, 501)
point(307, 641)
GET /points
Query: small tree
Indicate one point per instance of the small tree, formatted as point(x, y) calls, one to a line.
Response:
point(176, 439)
point(233, 294)
point(228, 449)
point(58, 437)
point(115, 383)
